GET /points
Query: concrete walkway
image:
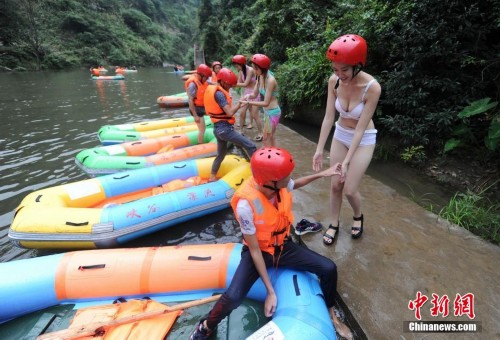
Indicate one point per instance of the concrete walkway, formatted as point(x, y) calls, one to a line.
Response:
point(404, 250)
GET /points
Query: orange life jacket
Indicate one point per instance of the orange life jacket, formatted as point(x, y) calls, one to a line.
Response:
point(272, 223)
point(213, 109)
point(214, 77)
point(200, 90)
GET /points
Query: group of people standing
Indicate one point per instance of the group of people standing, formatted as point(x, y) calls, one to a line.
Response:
point(208, 94)
point(263, 205)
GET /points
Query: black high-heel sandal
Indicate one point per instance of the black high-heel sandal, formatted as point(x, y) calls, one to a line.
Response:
point(359, 229)
point(331, 238)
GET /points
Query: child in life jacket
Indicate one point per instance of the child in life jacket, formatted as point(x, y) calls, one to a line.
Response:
point(263, 208)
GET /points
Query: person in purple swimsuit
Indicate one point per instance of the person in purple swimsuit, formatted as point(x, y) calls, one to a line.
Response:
point(247, 80)
point(354, 94)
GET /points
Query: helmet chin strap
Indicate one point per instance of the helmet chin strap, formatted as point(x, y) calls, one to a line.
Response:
point(357, 69)
point(275, 189)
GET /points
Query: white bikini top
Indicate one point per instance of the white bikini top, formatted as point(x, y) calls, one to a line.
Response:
point(356, 112)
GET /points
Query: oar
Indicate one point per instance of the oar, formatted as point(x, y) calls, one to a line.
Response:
point(99, 328)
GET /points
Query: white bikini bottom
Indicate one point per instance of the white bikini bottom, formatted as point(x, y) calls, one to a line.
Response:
point(345, 136)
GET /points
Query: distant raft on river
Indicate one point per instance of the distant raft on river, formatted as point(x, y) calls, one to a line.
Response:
point(144, 153)
point(174, 100)
point(116, 77)
point(110, 210)
point(115, 134)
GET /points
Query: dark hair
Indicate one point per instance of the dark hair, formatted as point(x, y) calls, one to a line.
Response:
point(244, 70)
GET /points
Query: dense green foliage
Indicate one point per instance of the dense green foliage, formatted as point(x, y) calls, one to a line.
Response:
point(40, 34)
point(466, 132)
point(433, 58)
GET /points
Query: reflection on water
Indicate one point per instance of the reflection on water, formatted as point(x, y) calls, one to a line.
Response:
point(48, 117)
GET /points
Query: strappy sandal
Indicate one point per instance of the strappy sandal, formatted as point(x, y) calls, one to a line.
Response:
point(258, 138)
point(331, 238)
point(358, 229)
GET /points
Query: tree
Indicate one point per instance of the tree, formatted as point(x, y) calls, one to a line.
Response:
point(31, 29)
point(209, 31)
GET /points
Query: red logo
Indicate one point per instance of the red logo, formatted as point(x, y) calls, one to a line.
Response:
point(463, 305)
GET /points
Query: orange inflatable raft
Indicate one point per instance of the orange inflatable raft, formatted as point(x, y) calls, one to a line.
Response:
point(176, 273)
point(175, 100)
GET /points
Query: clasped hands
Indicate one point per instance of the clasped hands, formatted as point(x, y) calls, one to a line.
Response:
point(244, 100)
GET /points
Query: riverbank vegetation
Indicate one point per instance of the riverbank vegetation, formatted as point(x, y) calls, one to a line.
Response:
point(59, 34)
point(438, 63)
point(475, 212)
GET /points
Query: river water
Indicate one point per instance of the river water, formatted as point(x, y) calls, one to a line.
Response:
point(48, 117)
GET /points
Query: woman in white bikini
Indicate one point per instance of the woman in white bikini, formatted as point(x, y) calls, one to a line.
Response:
point(354, 94)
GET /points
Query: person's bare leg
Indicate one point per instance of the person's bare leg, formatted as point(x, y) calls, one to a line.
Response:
point(201, 130)
point(243, 118)
point(340, 327)
point(338, 151)
point(266, 139)
point(273, 135)
point(254, 110)
point(357, 168)
point(266, 136)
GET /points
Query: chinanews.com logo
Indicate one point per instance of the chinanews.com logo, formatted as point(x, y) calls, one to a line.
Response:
point(463, 305)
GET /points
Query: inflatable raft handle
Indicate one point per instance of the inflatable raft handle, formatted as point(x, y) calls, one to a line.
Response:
point(199, 258)
point(133, 163)
point(94, 266)
point(121, 177)
point(147, 123)
point(135, 143)
point(38, 198)
point(296, 285)
point(73, 224)
point(180, 166)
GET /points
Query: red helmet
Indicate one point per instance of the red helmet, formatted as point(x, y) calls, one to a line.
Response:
point(271, 164)
point(262, 61)
point(239, 59)
point(204, 70)
point(350, 49)
point(215, 63)
point(227, 76)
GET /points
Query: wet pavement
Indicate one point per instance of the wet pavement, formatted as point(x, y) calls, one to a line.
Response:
point(404, 250)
